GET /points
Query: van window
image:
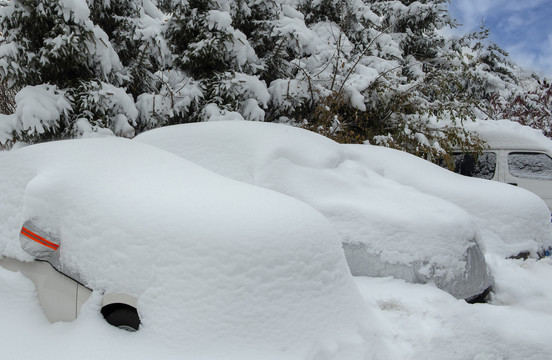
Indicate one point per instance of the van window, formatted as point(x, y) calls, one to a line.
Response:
point(482, 166)
point(530, 165)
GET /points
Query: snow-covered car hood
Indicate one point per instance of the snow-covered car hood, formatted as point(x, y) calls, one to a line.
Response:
point(395, 229)
point(211, 260)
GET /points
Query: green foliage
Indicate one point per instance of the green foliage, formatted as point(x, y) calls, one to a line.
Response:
point(7, 99)
point(532, 107)
point(56, 44)
point(118, 19)
point(48, 48)
point(418, 104)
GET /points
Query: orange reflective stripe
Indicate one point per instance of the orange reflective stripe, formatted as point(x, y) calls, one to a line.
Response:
point(31, 235)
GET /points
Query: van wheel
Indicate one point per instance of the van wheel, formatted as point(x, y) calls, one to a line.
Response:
point(122, 316)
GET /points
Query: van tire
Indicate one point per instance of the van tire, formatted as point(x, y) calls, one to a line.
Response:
point(122, 316)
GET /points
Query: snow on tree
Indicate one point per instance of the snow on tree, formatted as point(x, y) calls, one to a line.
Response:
point(375, 71)
point(118, 18)
point(531, 106)
point(382, 72)
point(502, 90)
point(53, 47)
point(378, 71)
point(212, 52)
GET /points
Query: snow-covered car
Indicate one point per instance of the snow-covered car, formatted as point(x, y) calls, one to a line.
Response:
point(397, 215)
point(206, 258)
point(511, 221)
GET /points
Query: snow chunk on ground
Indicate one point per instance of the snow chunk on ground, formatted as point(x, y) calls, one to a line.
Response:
point(211, 260)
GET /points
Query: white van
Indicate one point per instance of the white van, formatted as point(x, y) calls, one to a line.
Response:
point(516, 154)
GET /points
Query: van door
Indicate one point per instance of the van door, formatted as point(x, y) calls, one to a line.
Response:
point(531, 170)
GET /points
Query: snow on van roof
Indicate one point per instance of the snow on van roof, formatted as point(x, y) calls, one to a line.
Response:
point(506, 134)
point(211, 260)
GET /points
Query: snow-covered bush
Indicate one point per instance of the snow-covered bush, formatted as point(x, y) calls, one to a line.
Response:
point(210, 48)
point(176, 99)
point(41, 112)
point(54, 42)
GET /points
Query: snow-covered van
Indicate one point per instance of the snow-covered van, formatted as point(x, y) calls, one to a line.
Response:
point(516, 155)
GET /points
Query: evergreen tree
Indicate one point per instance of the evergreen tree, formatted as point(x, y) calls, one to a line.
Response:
point(120, 19)
point(53, 46)
point(210, 51)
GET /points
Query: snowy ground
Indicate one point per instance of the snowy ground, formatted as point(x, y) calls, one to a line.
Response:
point(258, 274)
point(418, 321)
point(428, 323)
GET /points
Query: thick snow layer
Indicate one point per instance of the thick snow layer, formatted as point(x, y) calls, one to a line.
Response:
point(76, 9)
point(511, 219)
point(409, 214)
point(211, 260)
point(393, 224)
point(506, 134)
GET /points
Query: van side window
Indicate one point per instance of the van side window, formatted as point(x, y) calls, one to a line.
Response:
point(530, 165)
point(482, 166)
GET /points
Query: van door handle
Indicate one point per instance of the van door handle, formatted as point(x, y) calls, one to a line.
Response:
point(515, 184)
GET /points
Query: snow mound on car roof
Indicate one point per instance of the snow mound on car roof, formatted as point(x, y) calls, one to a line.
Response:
point(211, 260)
point(397, 224)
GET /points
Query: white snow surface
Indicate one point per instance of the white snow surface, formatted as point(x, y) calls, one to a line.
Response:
point(76, 9)
point(396, 224)
point(212, 261)
point(429, 324)
point(418, 321)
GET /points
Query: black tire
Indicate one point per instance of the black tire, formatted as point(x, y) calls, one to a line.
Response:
point(482, 298)
point(122, 316)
